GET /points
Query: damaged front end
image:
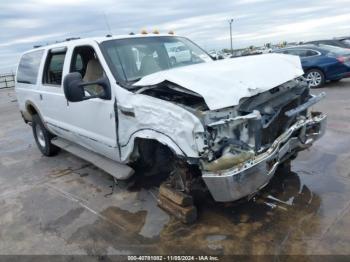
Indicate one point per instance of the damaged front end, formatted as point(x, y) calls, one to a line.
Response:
point(244, 145)
point(249, 123)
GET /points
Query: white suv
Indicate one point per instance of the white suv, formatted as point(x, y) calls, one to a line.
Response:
point(118, 102)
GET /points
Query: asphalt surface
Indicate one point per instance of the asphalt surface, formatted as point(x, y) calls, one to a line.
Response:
point(60, 205)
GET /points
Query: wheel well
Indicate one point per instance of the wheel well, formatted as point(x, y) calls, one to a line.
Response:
point(144, 147)
point(307, 70)
point(31, 110)
point(151, 157)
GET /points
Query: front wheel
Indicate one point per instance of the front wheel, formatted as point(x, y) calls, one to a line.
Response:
point(43, 137)
point(315, 78)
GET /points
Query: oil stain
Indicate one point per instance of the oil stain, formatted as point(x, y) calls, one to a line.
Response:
point(275, 222)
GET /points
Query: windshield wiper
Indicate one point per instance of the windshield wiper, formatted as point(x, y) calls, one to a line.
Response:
point(135, 80)
point(129, 83)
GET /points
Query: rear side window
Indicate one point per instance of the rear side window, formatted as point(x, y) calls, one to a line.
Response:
point(54, 67)
point(300, 52)
point(311, 53)
point(28, 67)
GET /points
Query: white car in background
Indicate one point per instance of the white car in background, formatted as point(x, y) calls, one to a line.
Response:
point(180, 54)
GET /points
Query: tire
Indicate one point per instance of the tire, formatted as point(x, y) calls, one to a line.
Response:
point(315, 78)
point(43, 137)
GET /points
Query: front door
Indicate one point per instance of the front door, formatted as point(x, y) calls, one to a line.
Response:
point(91, 122)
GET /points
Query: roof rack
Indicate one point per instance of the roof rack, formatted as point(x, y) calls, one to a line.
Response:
point(58, 41)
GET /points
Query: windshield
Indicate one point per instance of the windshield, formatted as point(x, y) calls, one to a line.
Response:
point(131, 59)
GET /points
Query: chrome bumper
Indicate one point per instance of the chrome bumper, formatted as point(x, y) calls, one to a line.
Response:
point(249, 177)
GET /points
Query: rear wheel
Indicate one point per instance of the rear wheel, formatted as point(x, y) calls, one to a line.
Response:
point(315, 78)
point(43, 137)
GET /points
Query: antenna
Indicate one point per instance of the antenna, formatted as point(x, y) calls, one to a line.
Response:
point(107, 23)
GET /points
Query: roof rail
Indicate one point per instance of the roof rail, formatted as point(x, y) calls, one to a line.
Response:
point(72, 38)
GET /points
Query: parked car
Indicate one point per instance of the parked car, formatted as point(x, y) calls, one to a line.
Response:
point(345, 40)
point(207, 122)
point(179, 54)
point(333, 42)
point(321, 63)
point(217, 55)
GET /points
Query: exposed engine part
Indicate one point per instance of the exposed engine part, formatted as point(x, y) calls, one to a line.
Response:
point(230, 157)
point(303, 107)
point(254, 124)
point(174, 93)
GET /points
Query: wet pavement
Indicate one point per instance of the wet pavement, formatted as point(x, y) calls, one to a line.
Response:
point(60, 205)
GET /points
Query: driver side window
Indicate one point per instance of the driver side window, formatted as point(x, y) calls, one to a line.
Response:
point(86, 62)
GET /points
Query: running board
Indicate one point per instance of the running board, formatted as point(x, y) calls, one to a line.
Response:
point(115, 169)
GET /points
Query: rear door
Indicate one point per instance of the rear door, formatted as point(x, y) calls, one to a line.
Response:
point(308, 57)
point(52, 102)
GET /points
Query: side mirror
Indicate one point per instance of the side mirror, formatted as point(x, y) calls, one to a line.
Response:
point(74, 88)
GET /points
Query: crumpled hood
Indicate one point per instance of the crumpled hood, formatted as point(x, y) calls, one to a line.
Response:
point(223, 83)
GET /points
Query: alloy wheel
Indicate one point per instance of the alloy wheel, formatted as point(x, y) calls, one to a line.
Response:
point(314, 79)
point(40, 136)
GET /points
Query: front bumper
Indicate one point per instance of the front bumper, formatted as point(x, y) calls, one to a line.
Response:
point(247, 178)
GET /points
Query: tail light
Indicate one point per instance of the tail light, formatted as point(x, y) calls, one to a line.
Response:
point(341, 59)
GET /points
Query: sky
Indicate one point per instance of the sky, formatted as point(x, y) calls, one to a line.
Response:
point(256, 22)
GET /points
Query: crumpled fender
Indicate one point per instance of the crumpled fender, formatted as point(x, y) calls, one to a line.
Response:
point(151, 118)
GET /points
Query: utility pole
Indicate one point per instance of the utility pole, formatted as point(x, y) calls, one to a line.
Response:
point(230, 22)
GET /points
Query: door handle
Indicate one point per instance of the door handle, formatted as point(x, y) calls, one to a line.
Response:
point(128, 111)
